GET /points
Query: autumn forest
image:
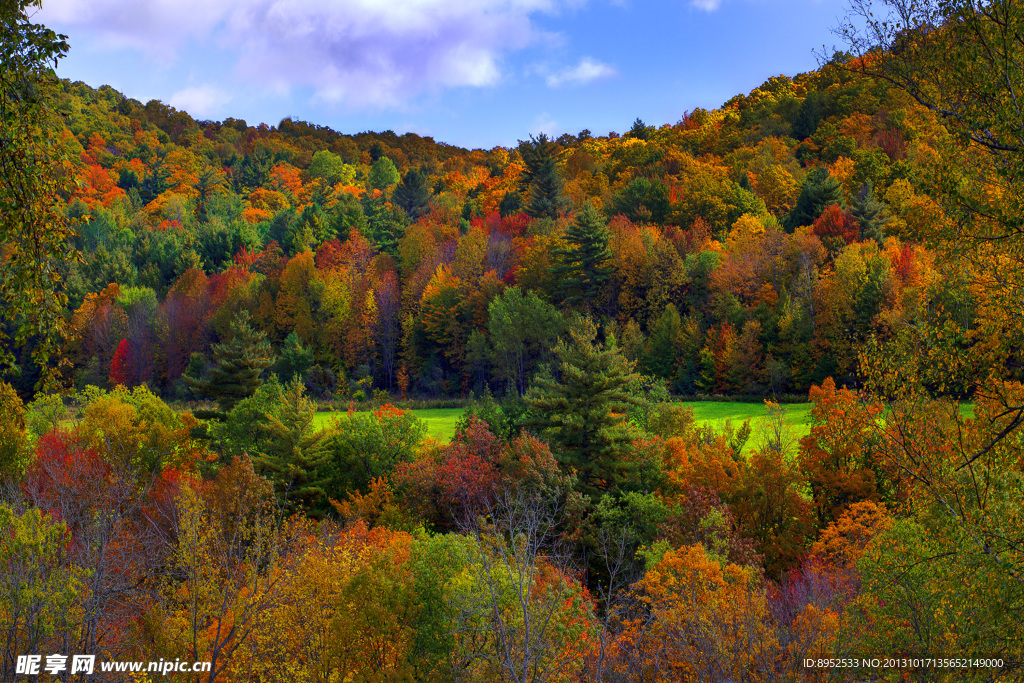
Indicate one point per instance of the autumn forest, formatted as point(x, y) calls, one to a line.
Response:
point(217, 337)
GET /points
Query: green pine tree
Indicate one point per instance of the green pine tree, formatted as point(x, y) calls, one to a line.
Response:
point(296, 453)
point(238, 365)
point(869, 214)
point(662, 351)
point(510, 205)
point(413, 194)
point(546, 198)
point(382, 227)
point(294, 360)
point(583, 408)
point(820, 189)
point(582, 267)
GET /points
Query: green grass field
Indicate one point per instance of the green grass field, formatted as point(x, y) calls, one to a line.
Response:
point(441, 421)
point(715, 414)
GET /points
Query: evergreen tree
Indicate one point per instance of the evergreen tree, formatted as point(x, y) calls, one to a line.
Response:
point(510, 205)
point(382, 227)
point(640, 130)
point(413, 194)
point(583, 408)
point(296, 453)
point(662, 351)
point(294, 360)
point(582, 267)
point(820, 190)
point(540, 181)
point(534, 153)
point(238, 365)
point(869, 214)
point(546, 198)
point(807, 116)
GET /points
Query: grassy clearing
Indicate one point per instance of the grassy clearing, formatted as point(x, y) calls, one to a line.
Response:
point(441, 421)
point(715, 414)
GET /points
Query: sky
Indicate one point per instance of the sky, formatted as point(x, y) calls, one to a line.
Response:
point(472, 73)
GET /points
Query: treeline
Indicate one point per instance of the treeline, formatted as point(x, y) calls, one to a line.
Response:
point(748, 250)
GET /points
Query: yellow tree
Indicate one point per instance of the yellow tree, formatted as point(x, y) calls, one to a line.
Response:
point(223, 571)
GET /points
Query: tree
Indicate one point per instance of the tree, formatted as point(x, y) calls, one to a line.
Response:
point(533, 618)
point(644, 200)
point(582, 268)
point(820, 189)
point(583, 407)
point(35, 234)
point(960, 59)
point(238, 365)
point(839, 456)
point(330, 168)
point(869, 213)
point(413, 194)
point(38, 586)
point(296, 453)
point(540, 181)
point(522, 327)
point(383, 229)
point(294, 360)
point(13, 439)
point(383, 174)
point(120, 372)
point(223, 570)
point(546, 200)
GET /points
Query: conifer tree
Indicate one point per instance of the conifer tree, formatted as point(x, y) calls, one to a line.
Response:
point(869, 214)
point(583, 408)
point(511, 204)
point(382, 228)
point(820, 190)
point(540, 181)
point(413, 194)
point(296, 452)
point(294, 360)
point(662, 351)
point(582, 267)
point(238, 365)
point(546, 200)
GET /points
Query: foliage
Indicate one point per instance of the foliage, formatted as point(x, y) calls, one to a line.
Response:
point(13, 435)
point(34, 170)
point(39, 586)
point(295, 455)
point(582, 267)
point(582, 409)
point(238, 365)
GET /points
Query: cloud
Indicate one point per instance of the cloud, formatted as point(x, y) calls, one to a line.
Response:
point(586, 71)
point(201, 102)
point(358, 53)
point(545, 124)
point(706, 5)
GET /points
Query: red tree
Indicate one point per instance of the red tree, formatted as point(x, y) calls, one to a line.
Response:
point(120, 369)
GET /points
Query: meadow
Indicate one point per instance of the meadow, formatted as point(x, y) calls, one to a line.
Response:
point(441, 421)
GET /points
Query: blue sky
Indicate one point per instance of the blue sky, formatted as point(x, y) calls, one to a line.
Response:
point(475, 73)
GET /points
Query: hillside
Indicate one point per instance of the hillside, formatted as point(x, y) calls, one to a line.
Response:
point(751, 249)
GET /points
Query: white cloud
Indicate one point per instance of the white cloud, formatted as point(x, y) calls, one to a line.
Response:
point(706, 5)
point(586, 71)
point(360, 53)
point(545, 124)
point(205, 101)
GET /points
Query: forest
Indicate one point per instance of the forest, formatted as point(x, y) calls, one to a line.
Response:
point(183, 297)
